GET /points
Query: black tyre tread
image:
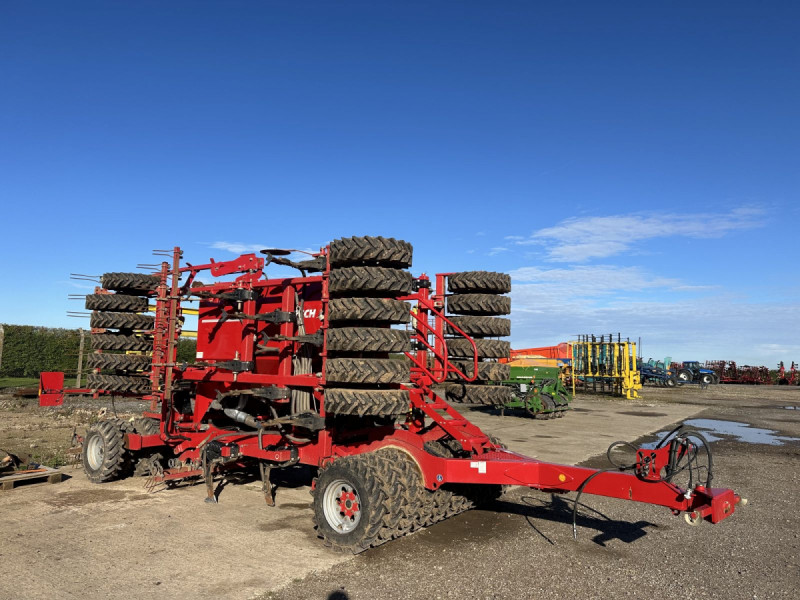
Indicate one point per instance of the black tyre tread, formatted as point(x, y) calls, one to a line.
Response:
point(461, 348)
point(487, 371)
point(373, 499)
point(481, 326)
point(129, 282)
point(120, 362)
point(366, 403)
point(367, 370)
point(381, 310)
point(130, 384)
point(367, 339)
point(116, 459)
point(116, 302)
point(489, 395)
point(479, 304)
point(121, 320)
point(390, 490)
point(145, 426)
point(450, 500)
point(479, 281)
point(402, 481)
point(369, 281)
point(376, 250)
point(122, 342)
point(548, 404)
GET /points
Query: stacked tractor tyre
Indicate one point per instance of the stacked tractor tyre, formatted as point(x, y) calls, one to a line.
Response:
point(367, 275)
point(118, 327)
point(365, 500)
point(476, 306)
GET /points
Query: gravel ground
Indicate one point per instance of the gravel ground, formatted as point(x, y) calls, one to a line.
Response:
point(519, 547)
point(522, 546)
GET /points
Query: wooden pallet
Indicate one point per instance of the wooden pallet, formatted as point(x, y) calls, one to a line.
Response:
point(9, 482)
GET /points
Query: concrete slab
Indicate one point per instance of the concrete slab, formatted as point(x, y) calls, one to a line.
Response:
point(585, 431)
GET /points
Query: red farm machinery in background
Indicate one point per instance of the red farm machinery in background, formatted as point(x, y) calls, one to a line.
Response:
point(346, 368)
point(789, 378)
point(729, 372)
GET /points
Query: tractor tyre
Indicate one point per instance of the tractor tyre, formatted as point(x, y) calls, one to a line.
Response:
point(487, 371)
point(706, 379)
point(367, 339)
point(453, 499)
point(480, 327)
point(549, 406)
point(145, 426)
point(120, 320)
point(685, 376)
point(369, 281)
point(367, 370)
point(104, 455)
point(366, 403)
point(118, 362)
point(136, 283)
point(368, 250)
point(121, 342)
point(488, 395)
point(379, 310)
point(479, 304)
point(116, 302)
point(366, 500)
point(128, 384)
point(479, 281)
point(461, 348)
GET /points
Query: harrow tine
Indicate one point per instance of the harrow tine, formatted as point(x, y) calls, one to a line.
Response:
point(82, 277)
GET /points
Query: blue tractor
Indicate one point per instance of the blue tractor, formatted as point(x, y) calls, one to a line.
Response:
point(691, 371)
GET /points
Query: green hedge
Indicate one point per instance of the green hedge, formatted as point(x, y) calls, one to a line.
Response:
point(29, 350)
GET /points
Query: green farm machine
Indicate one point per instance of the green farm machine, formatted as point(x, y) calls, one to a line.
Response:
point(536, 390)
point(539, 391)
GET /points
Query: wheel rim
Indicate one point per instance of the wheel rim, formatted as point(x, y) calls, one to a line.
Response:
point(342, 506)
point(95, 449)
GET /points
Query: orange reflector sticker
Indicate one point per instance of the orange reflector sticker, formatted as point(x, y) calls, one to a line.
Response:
point(562, 478)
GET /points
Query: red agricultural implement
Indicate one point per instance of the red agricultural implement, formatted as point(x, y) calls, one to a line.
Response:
point(318, 370)
point(729, 372)
point(789, 378)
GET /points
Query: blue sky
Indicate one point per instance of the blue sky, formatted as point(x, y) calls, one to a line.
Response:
point(633, 165)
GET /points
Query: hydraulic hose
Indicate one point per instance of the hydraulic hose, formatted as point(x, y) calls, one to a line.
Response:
point(678, 452)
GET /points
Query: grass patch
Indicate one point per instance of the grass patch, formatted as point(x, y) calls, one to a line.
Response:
point(12, 382)
point(18, 382)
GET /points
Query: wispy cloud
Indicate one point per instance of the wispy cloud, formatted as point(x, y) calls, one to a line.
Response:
point(579, 239)
point(497, 250)
point(709, 328)
point(238, 247)
point(87, 285)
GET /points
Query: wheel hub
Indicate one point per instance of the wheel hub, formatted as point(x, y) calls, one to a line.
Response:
point(348, 504)
point(342, 506)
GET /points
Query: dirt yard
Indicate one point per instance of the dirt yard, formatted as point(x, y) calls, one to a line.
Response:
point(75, 539)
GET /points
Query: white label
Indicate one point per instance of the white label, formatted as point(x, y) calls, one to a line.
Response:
point(480, 465)
point(200, 354)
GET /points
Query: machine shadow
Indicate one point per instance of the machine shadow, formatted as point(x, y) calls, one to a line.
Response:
point(559, 510)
